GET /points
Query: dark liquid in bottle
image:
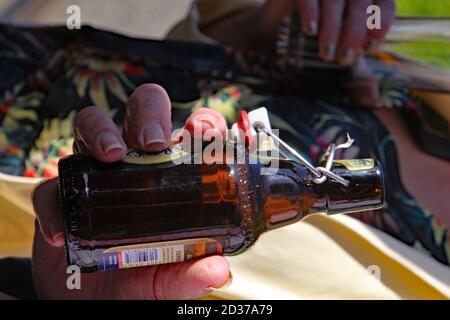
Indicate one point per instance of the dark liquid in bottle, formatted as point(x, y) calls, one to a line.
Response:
point(110, 208)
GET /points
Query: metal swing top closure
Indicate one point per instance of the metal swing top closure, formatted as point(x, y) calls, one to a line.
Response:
point(257, 121)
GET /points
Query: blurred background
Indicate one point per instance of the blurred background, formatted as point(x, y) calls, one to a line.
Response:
point(157, 14)
point(425, 35)
point(139, 18)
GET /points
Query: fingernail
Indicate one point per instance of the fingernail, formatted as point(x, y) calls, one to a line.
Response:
point(205, 122)
point(207, 291)
point(225, 285)
point(109, 142)
point(311, 29)
point(58, 237)
point(154, 133)
point(373, 46)
point(329, 52)
point(347, 57)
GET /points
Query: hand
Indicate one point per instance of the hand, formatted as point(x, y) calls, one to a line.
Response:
point(341, 28)
point(147, 126)
point(339, 24)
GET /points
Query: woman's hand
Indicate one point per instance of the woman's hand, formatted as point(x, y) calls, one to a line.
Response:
point(341, 26)
point(147, 127)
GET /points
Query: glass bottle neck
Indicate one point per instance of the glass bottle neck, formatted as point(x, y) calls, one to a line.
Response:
point(290, 195)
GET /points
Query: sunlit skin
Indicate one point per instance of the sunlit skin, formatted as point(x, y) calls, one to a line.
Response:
point(339, 24)
point(149, 102)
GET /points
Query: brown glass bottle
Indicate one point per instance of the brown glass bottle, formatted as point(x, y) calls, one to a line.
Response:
point(124, 215)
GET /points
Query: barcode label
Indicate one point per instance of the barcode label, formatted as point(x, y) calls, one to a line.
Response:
point(140, 255)
point(149, 254)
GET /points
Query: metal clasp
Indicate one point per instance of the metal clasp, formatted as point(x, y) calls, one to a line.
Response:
point(257, 121)
point(320, 173)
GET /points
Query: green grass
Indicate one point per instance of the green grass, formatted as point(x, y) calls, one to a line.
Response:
point(432, 50)
point(439, 8)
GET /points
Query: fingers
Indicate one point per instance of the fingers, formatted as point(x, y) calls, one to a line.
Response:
point(331, 16)
point(191, 279)
point(47, 208)
point(309, 16)
point(376, 36)
point(204, 120)
point(96, 133)
point(354, 31)
point(343, 28)
point(147, 126)
point(148, 123)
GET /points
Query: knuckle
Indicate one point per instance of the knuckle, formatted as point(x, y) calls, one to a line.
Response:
point(84, 115)
point(149, 91)
point(147, 100)
point(148, 87)
point(90, 119)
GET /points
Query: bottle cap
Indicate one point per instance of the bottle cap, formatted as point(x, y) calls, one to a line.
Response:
point(243, 131)
point(365, 191)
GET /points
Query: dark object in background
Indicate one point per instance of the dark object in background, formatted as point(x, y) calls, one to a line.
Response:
point(16, 278)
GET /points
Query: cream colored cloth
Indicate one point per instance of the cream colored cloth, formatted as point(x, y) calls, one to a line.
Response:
point(334, 258)
point(322, 258)
point(16, 223)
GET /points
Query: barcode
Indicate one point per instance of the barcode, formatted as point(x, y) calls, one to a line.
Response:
point(140, 255)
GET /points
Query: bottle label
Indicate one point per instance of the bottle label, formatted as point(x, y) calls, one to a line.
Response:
point(175, 153)
point(170, 154)
point(149, 254)
point(357, 164)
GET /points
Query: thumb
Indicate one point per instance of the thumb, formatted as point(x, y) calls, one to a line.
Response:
point(48, 213)
point(191, 279)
